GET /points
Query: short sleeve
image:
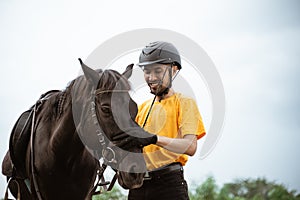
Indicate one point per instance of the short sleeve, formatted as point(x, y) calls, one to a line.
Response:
point(190, 120)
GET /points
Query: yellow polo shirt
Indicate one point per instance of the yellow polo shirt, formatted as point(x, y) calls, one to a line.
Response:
point(173, 117)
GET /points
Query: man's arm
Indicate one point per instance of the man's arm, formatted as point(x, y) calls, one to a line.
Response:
point(186, 145)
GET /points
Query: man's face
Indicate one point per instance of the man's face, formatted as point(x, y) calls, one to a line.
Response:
point(157, 76)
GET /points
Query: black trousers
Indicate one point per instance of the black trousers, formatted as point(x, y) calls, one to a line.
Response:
point(167, 186)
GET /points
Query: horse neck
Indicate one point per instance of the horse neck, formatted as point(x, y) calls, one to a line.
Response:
point(82, 99)
point(65, 136)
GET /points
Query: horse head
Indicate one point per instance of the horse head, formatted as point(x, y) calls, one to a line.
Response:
point(103, 109)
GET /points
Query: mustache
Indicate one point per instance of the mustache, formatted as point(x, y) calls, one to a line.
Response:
point(154, 82)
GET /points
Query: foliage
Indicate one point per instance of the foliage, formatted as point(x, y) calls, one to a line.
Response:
point(242, 189)
point(207, 190)
point(114, 194)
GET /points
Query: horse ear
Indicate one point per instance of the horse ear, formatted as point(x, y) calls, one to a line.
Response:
point(127, 73)
point(91, 75)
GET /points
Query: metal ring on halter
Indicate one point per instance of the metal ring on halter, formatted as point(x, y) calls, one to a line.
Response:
point(113, 153)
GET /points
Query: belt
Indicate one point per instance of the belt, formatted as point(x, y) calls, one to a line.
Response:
point(162, 171)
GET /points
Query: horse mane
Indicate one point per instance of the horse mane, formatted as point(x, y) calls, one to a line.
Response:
point(58, 101)
point(62, 97)
point(79, 88)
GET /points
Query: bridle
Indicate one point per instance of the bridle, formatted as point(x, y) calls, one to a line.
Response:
point(107, 153)
point(102, 139)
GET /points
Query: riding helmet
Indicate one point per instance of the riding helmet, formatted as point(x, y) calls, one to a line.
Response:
point(159, 52)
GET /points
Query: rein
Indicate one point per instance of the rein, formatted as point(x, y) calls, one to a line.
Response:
point(98, 91)
point(32, 137)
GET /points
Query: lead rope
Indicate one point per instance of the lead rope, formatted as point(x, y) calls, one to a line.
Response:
point(102, 183)
point(6, 191)
point(149, 112)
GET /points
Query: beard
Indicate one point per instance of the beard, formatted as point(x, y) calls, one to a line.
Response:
point(158, 90)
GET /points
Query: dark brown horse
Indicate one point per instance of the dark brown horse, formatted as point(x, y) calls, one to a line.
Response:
point(70, 131)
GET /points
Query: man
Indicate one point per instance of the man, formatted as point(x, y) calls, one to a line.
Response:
point(174, 121)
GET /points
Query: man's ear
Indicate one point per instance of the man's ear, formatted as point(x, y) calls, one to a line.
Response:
point(128, 72)
point(91, 75)
point(174, 68)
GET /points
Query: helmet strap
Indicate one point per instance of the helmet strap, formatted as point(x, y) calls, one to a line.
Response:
point(166, 91)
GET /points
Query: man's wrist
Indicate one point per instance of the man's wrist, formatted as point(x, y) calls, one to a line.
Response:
point(162, 141)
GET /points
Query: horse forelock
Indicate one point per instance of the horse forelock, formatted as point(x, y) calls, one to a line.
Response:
point(111, 79)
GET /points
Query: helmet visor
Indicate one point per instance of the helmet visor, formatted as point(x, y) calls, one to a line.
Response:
point(150, 62)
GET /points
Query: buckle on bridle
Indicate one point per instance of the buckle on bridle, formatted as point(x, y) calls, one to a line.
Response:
point(108, 151)
point(147, 176)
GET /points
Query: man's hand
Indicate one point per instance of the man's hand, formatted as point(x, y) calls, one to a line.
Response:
point(134, 137)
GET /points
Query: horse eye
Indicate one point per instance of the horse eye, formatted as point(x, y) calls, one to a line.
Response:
point(105, 109)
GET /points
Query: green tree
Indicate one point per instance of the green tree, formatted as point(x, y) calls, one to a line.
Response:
point(280, 192)
point(255, 189)
point(114, 194)
point(245, 189)
point(242, 189)
point(206, 191)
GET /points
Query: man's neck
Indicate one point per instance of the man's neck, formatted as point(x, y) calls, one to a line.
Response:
point(169, 94)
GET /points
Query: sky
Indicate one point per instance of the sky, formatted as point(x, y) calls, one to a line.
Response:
point(254, 45)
